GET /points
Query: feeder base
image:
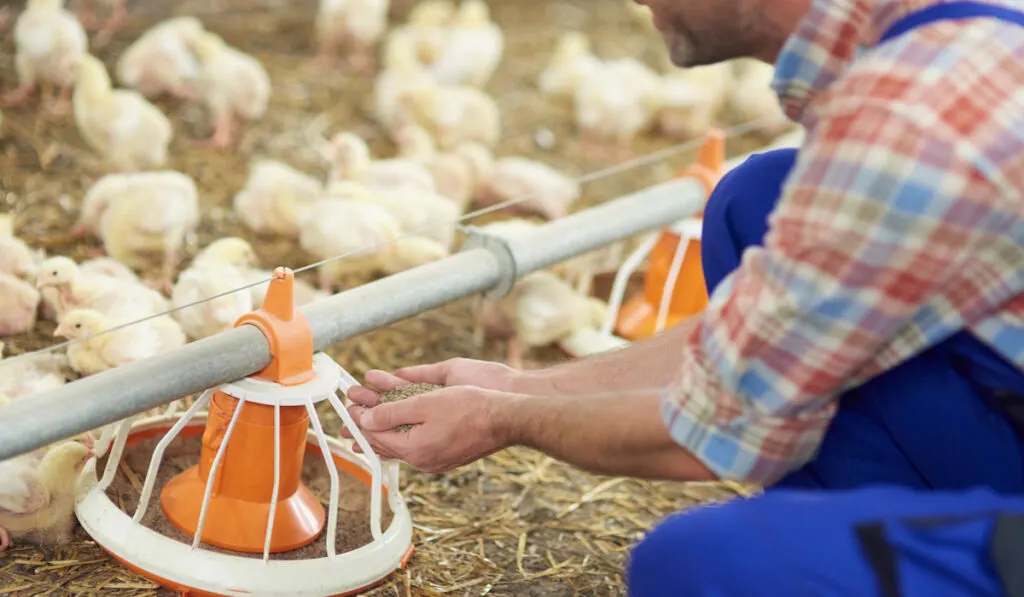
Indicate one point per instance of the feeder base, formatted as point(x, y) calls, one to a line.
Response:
point(229, 521)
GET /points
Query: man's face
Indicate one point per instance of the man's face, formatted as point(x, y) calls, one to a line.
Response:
point(700, 32)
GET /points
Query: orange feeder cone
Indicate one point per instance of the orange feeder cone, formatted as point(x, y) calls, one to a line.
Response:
point(638, 318)
point(239, 506)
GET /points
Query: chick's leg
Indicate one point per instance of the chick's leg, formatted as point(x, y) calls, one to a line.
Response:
point(60, 107)
point(166, 281)
point(86, 14)
point(326, 57)
point(325, 279)
point(515, 352)
point(223, 131)
point(18, 97)
point(117, 18)
point(5, 539)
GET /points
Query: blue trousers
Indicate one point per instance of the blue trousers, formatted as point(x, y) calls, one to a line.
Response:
point(925, 439)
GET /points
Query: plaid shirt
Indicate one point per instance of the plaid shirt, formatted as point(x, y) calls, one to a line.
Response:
point(901, 224)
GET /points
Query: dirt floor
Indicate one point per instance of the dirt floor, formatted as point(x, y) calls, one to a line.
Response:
point(517, 523)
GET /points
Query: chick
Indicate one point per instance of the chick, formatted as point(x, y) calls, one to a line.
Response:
point(47, 41)
point(97, 350)
point(120, 124)
point(540, 310)
point(140, 214)
point(351, 160)
point(453, 114)
point(360, 237)
point(551, 193)
point(275, 197)
point(50, 309)
point(616, 103)
point(19, 305)
point(213, 277)
point(418, 212)
point(423, 35)
point(403, 74)
point(18, 259)
point(694, 99)
point(31, 374)
point(233, 84)
point(473, 48)
point(571, 64)
point(455, 173)
point(159, 61)
point(112, 296)
point(37, 494)
point(356, 25)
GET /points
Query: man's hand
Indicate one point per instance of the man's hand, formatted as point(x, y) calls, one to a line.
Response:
point(468, 372)
point(452, 426)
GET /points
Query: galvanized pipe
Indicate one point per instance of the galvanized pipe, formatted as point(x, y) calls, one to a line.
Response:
point(97, 400)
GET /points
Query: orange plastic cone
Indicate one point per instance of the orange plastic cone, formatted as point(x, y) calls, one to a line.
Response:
point(638, 317)
point(239, 506)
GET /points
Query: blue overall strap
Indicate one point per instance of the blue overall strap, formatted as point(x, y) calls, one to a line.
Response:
point(952, 11)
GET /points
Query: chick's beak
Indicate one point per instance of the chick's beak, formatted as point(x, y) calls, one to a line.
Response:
point(62, 331)
point(40, 282)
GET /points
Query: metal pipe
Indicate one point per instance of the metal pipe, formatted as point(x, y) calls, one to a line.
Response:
point(97, 400)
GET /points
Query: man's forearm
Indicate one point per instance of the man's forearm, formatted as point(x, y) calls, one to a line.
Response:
point(619, 436)
point(648, 364)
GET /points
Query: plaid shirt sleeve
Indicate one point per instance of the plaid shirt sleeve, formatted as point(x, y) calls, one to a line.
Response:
point(870, 227)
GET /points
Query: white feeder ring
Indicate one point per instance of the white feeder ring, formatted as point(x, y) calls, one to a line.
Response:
point(476, 238)
point(269, 393)
point(206, 572)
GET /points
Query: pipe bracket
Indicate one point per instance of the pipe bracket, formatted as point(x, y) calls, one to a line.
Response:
point(503, 254)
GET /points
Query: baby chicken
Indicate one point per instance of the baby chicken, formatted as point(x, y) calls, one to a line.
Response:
point(233, 84)
point(453, 114)
point(418, 212)
point(47, 41)
point(113, 296)
point(403, 73)
point(18, 259)
point(455, 173)
point(159, 61)
point(120, 124)
point(217, 271)
point(571, 64)
point(356, 25)
point(275, 197)
point(31, 374)
point(473, 48)
point(423, 35)
point(351, 160)
point(97, 350)
point(37, 494)
point(551, 193)
point(143, 213)
point(616, 103)
point(540, 310)
point(19, 305)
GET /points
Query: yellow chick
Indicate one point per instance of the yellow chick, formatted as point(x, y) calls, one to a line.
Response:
point(551, 192)
point(570, 65)
point(364, 237)
point(95, 351)
point(453, 114)
point(351, 160)
point(355, 25)
point(423, 35)
point(473, 48)
point(47, 40)
point(159, 61)
point(419, 212)
point(37, 494)
point(275, 197)
point(694, 100)
point(19, 305)
point(403, 73)
point(217, 271)
point(233, 85)
point(120, 124)
point(616, 103)
point(455, 173)
point(89, 290)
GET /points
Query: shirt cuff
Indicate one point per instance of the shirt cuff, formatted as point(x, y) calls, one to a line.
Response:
point(753, 448)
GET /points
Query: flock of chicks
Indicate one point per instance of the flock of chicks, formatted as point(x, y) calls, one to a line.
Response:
point(383, 215)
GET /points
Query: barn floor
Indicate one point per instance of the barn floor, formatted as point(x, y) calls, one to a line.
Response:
point(516, 524)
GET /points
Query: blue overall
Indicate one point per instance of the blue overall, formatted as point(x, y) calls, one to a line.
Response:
point(918, 488)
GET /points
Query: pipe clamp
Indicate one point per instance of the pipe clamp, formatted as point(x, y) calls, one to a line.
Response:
point(503, 254)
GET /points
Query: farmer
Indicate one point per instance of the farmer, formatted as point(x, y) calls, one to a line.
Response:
point(862, 352)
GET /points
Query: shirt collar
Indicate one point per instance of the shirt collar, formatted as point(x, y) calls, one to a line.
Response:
point(826, 42)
